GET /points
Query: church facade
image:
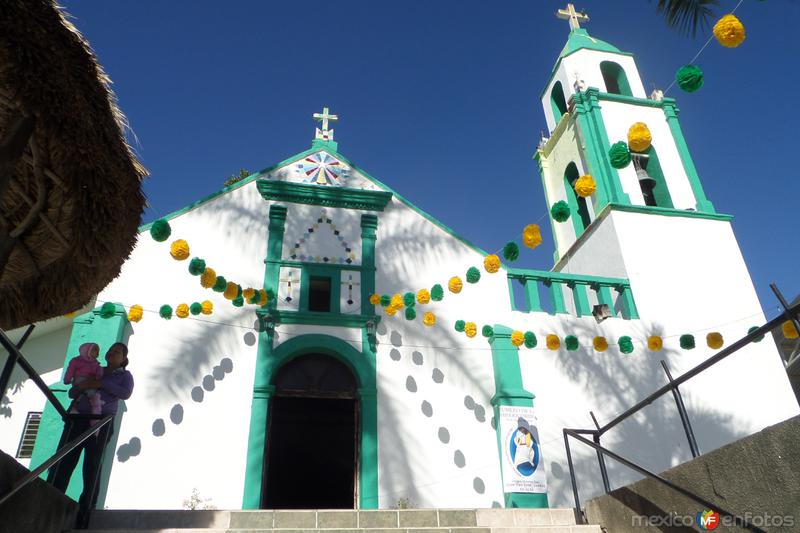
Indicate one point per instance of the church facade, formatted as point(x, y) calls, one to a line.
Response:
point(372, 378)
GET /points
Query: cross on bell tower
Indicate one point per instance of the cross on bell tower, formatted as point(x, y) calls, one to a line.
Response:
point(325, 134)
point(573, 16)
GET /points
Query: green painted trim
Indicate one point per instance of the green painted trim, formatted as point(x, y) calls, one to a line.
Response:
point(88, 327)
point(670, 212)
point(509, 390)
point(321, 271)
point(603, 294)
point(546, 275)
point(629, 311)
point(531, 295)
point(619, 75)
point(580, 298)
point(556, 297)
point(541, 160)
point(319, 318)
point(369, 227)
point(632, 100)
point(331, 266)
point(302, 193)
point(671, 112)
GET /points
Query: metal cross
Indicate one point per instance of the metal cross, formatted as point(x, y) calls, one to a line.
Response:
point(573, 16)
point(324, 117)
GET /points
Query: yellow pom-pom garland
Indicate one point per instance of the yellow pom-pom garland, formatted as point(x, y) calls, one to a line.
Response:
point(553, 342)
point(179, 250)
point(391, 310)
point(491, 263)
point(396, 301)
point(789, 331)
point(263, 297)
point(639, 137)
point(531, 236)
point(207, 307)
point(182, 311)
point(135, 313)
point(423, 296)
point(248, 293)
point(729, 31)
point(585, 186)
point(208, 278)
point(517, 338)
point(429, 318)
point(231, 290)
point(470, 329)
point(375, 299)
point(600, 344)
point(455, 284)
point(655, 343)
point(715, 340)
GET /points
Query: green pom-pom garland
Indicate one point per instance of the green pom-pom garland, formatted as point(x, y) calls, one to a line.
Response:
point(238, 301)
point(625, 344)
point(571, 342)
point(487, 331)
point(239, 292)
point(460, 325)
point(255, 299)
point(689, 78)
point(196, 308)
point(511, 251)
point(530, 339)
point(196, 266)
point(437, 293)
point(165, 312)
point(687, 341)
point(409, 299)
point(411, 313)
point(619, 155)
point(160, 230)
point(560, 211)
point(755, 339)
point(473, 275)
point(220, 285)
point(385, 300)
point(107, 310)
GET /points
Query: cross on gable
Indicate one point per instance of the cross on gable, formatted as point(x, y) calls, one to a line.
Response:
point(324, 133)
point(573, 16)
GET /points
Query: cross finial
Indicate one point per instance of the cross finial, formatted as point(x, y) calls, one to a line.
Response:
point(573, 16)
point(325, 134)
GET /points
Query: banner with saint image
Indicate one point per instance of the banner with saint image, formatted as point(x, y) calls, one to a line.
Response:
point(523, 466)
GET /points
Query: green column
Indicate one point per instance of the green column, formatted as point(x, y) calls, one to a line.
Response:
point(604, 295)
point(368, 475)
point(262, 389)
point(629, 310)
point(580, 298)
point(532, 295)
point(671, 112)
point(369, 223)
point(509, 391)
point(556, 297)
point(89, 327)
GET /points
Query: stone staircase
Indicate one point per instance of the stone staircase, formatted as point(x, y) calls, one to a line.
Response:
point(379, 521)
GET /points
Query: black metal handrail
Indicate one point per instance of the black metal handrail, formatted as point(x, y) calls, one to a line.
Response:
point(790, 313)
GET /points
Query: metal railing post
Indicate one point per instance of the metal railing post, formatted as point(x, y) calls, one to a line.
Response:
point(600, 459)
point(578, 512)
point(11, 362)
point(687, 426)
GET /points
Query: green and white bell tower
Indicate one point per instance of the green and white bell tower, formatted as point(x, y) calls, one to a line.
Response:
point(592, 98)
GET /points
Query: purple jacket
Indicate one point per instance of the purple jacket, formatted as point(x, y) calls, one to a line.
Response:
point(116, 386)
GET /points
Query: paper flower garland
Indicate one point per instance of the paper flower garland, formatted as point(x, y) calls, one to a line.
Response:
point(511, 251)
point(789, 331)
point(530, 340)
point(560, 211)
point(429, 319)
point(689, 78)
point(135, 313)
point(263, 297)
point(459, 325)
point(409, 299)
point(423, 296)
point(755, 339)
point(182, 311)
point(625, 344)
point(165, 312)
point(585, 186)
point(517, 338)
point(391, 311)
point(552, 342)
point(107, 310)
point(619, 155)
point(220, 285)
point(238, 301)
point(491, 263)
point(600, 344)
point(655, 343)
point(639, 137)
point(385, 300)
point(437, 293)
point(231, 291)
point(470, 329)
point(729, 31)
point(455, 284)
point(208, 278)
point(396, 301)
point(207, 307)
point(179, 250)
point(715, 340)
point(375, 299)
point(196, 308)
point(487, 331)
point(531, 236)
point(411, 313)
point(571, 342)
point(248, 293)
point(687, 341)
point(473, 275)
point(160, 230)
point(197, 266)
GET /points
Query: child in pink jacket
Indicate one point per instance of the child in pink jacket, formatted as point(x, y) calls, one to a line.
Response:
point(84, 367)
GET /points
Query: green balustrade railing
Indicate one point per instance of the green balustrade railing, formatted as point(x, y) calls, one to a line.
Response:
point(555, 283)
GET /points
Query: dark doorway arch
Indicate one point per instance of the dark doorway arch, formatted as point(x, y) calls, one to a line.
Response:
point(312, 436)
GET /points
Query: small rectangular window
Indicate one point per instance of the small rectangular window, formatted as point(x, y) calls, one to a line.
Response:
point(319, 294)
point(25, 450)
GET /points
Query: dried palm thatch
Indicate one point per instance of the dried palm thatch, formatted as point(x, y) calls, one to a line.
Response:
point(70, 187)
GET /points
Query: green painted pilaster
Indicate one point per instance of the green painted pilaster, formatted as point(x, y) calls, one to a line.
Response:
point(509, 391)
point(277, 225)
point(368, 401)
point(88, 327)
point(369, 225)
point(671, 112)
point(543, 164)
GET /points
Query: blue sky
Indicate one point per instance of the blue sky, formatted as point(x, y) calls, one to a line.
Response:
point(440, 101)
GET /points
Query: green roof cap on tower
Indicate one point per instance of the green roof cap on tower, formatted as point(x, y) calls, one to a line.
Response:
point(580, 39)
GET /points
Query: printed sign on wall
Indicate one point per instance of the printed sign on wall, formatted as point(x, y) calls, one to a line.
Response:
point(523, 467)
point(289, 289)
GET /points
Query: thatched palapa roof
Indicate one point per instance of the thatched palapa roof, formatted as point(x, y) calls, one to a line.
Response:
point(70, 187)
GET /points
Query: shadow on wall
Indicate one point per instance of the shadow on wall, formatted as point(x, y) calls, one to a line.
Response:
point(654, 438)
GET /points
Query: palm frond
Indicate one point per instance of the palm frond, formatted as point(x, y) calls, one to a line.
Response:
point(687, 15)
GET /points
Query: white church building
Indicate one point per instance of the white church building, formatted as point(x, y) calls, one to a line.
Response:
point(338, 394)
